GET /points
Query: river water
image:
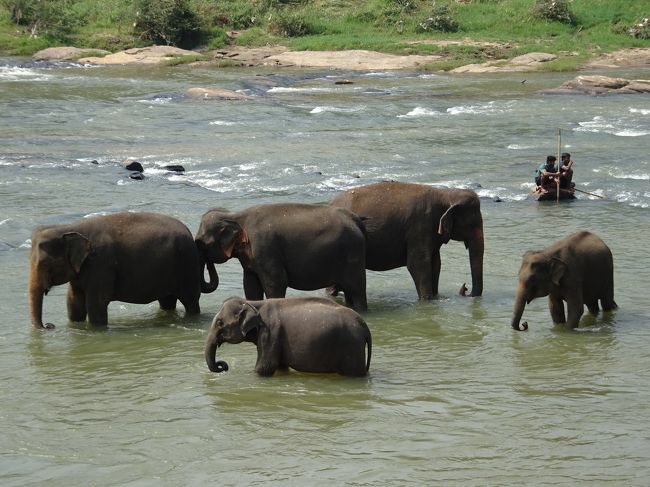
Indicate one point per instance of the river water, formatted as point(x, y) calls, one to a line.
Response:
point(454, 395)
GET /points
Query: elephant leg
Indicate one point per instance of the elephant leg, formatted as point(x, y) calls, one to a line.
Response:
point(168, 303)
point(607, 301)
point(425, 273)
point(355, 292)
point(252, 286)
point(76, 302)
point(97, 312)
point(191, 305)
point(556, 307)
point(574, 312)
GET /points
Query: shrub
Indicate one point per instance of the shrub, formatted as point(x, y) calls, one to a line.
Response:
point(640, 30)
point(555, 11)
point(290, 24)
point(171, 22)
point(440, 20)
point(52, 18)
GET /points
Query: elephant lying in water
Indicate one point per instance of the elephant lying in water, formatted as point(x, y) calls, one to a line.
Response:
point(408, 223)
point(578, 269)
point(130, 257)
point(306, 334)
point(282, 245)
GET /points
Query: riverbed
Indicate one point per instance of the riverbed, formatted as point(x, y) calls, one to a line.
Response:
point(455, 396)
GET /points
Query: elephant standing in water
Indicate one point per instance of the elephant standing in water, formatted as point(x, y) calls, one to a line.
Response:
point(578, 269)
point(406, 224)
point(282, 245)
point(306, 334)
point(131, 257)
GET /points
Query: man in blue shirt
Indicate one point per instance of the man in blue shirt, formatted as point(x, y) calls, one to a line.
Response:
point(546, 173)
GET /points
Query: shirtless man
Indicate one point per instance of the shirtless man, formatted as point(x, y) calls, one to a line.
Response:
point(566, 172)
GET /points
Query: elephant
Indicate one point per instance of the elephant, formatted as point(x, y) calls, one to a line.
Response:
point(308, 334)
point(130, 257)
point(295, 245)
point(578, 269)
point(407, 223)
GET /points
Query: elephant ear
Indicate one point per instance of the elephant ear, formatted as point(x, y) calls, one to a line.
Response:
point(446, 224)
point(232, 235)
point(558, 269)
point(249, 318)
point(77, 248)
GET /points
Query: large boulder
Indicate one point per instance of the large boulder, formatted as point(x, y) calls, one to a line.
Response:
point(66, 53)
point(525, 62)
point(639, 56)
point(140, 55)
point(601, 85)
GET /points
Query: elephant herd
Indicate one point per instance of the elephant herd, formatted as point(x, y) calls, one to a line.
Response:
point(143, 257)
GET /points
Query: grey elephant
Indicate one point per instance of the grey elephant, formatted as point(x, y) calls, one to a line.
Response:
point(406, 224)
point(301, 246)
point(578, 269)
point(129, 257)
point(307, 334)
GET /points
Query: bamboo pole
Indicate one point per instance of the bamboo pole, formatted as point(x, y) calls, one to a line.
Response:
point(559, 149)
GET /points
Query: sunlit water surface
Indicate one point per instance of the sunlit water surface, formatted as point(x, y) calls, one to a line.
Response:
point(454, 395)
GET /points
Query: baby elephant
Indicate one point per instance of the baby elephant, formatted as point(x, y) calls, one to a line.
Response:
point(578, 269)
point(306, 334)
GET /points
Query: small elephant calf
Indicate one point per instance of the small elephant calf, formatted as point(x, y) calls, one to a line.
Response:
point(306, 334)
point(578, 269)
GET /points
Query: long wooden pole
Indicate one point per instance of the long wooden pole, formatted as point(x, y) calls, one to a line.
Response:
point(559, 148)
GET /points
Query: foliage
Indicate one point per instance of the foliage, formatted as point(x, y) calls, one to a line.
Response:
point(555, 11)
point(50, 18)
point(640, 30)
point(172, 22)
point(292, 24)
point(439, 20)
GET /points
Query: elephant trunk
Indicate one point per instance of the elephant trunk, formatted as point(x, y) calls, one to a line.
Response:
point(211, 353)
point(475, 248)
point(36, 292)
point(213, 284)
point(518, 311)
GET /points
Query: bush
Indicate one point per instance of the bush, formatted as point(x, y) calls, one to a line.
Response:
point(555, 11)
point(439, 20)
point(289, 24)
point(171, 22)
point(640, 30)
point(50, 18)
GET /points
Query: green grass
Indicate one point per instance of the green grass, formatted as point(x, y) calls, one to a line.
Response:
point(382, 25)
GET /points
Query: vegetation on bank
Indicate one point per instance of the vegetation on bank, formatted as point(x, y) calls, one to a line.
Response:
point(501, 29)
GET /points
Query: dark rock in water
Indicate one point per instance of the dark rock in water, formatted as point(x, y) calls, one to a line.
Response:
point(131, 165)
point(475, 186)
point(174, 168)
point(497, 199)
point(343, 82)
point(356, 176)
point(138, 176)
point(94, 161)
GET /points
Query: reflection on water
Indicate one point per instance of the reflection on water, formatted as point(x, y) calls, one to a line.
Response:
point(454, 395)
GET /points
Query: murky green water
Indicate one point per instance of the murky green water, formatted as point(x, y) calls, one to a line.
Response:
point(454, 396)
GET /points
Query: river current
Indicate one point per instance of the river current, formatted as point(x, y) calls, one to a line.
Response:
point(454, 395)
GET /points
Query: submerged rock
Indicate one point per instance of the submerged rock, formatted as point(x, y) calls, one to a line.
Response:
point(174, 168)
point(131, 165)
point(215, 94)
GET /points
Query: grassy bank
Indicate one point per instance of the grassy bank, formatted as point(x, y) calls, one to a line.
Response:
point(501, 29)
